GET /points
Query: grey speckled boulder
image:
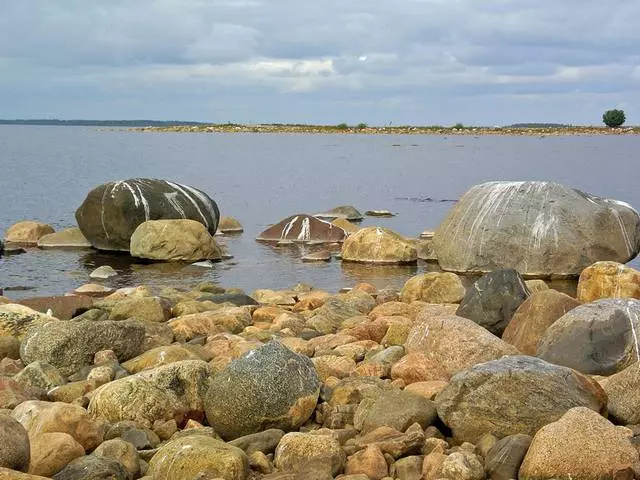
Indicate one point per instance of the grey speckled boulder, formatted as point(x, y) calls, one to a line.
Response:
point(92, 467)
point(71, 345)
point(538, 228)
point(493, 299)
point(270, 387)
point(515, 394)
point(112, 211)
point(600, 338)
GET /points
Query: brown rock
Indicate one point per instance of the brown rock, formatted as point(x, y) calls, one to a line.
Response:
point(67, 238)
point(295, 449)
point(393, 442)
point(9, 348)
point(158, 357)
point(608, 280)
point(346, 225)
point(389, 309)
point(428, 389)
point(399, 409)
point(229, 225)
point(534, 316)
point(13, 394)
point(51, 452)
point(16, 319)
point(226, 319)
point(121, 451)
point(581, 445)
point(623, 393)
point(303, 228)
point(433, 287)
point(417, 367)
point(378, 245)
point(145, 309)
point(8, 474)
point(27, 232)
point(14, 444)
point(333, 366)
point(369, 461)
point(63, 307)
point(504, 458)
point(267, 313)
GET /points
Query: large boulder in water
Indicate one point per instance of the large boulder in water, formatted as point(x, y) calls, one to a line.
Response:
point(378, 245)
point(270, 387)
point(303, 228)
point(537, 228)
point(112, 211)
point(599, 338)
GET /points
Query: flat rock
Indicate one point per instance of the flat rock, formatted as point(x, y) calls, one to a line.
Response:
point(346, 212)
point(608, 280)
point(63, 307)
point(103, 272)
point(67, 238)
point(303, 228)
point(27, 232)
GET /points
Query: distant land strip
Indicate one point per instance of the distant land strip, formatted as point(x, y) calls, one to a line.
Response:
point(540, 129)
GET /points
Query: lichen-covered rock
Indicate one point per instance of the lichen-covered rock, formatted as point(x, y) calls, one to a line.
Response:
point(378, 245)
point(514, 394)
point(270, 387)
point(296, 449)
point(16, 319)
point(27, 232)
point(433, 287)
point(303, 228)
point(537, 228)
point(71, 345)
point(599, 338)
point(67, 238)
point(173, 391)
point(623, 393)
point(111, 212)
point(608, 280)
point(40, 375)
point(158, 357)
point(174, 241)
point(493, 299)
point(199, 456)
point(581, 445)
point(14, 444)
point(145, 309)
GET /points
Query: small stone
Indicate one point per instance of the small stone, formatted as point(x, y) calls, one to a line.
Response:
point(103, 272)
point(320, 256)
point(229, 225)
point(369, 461)
point(121, 451)
point(503, 460)
point(295, 449)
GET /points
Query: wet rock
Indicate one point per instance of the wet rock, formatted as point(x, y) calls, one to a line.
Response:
point(145, 309)
point(534, 316)
point(399, 409)
point(230, 225)
point(173, 391)
point(346, 212)
point(112, 211)
point(93, 467)
point(503, 460)
point(296, 449)
point(93, 290)
point(174, 241)
point(597, 338)
point(537, 228)
point(67, 238)
point(379, 213)
point(608, 280)
point(51, 452)
point(193, 456)
point(515, 394)
point(62, 307)
point(580, 445)
point(493, 299)
point(40, 375)
point(103, 272)
point(455, 343)
point(433, 287)
point(270, 387)
point(320, 256)
point(303, 228)
point(370, 462)
point(27, 232)
point(16, 319)
point(378, 245)
point(15, 446)
point(69, 346)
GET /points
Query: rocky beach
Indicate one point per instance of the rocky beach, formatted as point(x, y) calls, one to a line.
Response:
point(495, 377)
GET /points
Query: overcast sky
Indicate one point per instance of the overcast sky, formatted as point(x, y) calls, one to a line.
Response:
point(479, 62)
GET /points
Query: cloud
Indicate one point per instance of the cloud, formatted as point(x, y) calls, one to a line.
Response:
point(315, 61)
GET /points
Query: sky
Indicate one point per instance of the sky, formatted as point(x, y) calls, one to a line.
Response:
point(380, 62)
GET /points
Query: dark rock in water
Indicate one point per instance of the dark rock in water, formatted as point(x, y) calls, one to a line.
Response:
point(599, 338)
point(537, 228)
point(505, 457)
point(379, 213)
point(238, 299)
point(270, 387)
point(515, 394)
point(112, 211)
point(63, 307)
point(92, 467)
point(303, 228)
point(343, 211)
point(493, 299)
point(71, 345)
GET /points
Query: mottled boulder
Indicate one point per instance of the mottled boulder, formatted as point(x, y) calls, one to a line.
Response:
point(112, 211)
point(174, 241)
point(40, 375)
point(92, 467)
point(623, 392)
point(599, 338)
point(493, 299)
point(63, 307)
point(303, 228)
point(433, 287)
point(270, 387)
point(27, 232)
point(67, 238)
point(378, 245)
point(537, 228)
point(454, 343)
point(399, 409)
point(71, 345)
point(173, 391)
point(581, 445)
point(16, 319)
point(122, 451)
point(14, 444)
point(346, 212)
point(515, 394)
point(295, 450)
point(608, 280)
point(503, 460)
point(534, 316)
point(199, 456)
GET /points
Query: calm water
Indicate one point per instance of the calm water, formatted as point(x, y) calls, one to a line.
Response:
point(261, 179)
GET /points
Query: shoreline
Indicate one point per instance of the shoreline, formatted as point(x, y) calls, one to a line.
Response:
point(391, 130)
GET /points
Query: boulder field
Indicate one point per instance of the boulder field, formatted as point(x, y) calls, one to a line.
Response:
point(499, 379)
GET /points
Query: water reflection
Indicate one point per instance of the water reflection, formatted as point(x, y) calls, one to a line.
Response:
point(380, 276)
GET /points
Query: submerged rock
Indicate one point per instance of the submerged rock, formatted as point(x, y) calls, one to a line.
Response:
point(112, 211)
point(537, 228)
point(378, 245)
point(303, 228)
point(230, 225)
point(346, 212)
point(67, 238)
